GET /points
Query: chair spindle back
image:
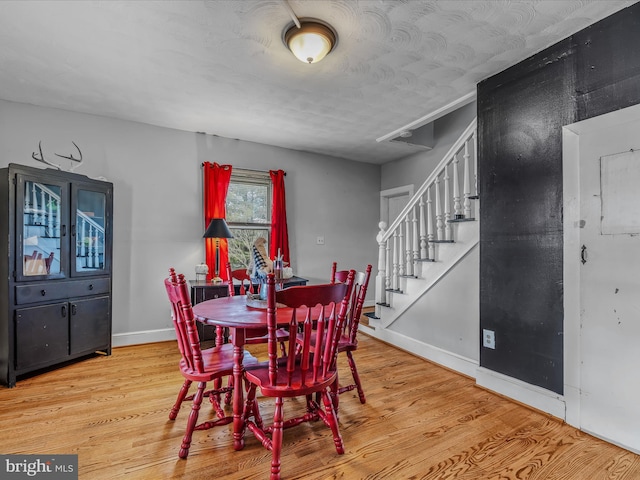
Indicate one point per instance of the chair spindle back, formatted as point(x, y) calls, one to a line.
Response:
point(184, 321)
point(356, 302)
point(318, 312)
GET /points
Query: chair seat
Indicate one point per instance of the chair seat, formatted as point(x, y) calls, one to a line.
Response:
point(287, 384)
point(344, 343)
point(216, 360)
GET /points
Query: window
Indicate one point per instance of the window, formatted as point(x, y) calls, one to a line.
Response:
point(248, 206)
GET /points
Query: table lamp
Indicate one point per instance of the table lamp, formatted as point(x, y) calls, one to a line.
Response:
point(217, 229)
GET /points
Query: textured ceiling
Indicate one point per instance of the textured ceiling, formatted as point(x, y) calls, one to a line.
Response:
point(220, 67)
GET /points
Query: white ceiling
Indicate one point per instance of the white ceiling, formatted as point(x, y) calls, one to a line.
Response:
point(220, 67)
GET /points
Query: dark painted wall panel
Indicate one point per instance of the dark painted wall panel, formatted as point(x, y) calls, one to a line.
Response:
point(521, 112)
point(608, 67)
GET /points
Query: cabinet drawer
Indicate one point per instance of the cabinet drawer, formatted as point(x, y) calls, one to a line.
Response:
point(60, 290)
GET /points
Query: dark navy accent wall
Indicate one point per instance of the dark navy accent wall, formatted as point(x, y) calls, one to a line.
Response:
point(521, 112)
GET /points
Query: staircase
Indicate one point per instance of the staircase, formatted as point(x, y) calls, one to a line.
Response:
point(433, 234)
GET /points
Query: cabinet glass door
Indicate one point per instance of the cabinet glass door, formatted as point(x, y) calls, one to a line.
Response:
point(90, 221)
point(41, 216)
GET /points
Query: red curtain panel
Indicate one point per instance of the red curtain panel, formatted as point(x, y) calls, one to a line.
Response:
point(216, 184)
point(279, 232)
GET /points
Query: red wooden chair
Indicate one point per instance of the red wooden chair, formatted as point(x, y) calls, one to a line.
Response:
point(256, 336)
point(348, 342)
point(241, 275)
point(196, 365)
point(301, 374)
point(48, 261)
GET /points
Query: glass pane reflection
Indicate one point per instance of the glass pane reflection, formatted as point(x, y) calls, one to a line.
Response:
point(41, 234)
point(90, 220)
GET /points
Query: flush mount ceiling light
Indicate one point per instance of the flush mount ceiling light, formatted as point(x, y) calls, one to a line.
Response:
point(310, 40)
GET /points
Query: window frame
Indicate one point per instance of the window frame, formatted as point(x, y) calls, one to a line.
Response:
point(258, 178)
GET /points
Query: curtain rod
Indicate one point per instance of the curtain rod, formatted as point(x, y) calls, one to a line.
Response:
point(250, 170)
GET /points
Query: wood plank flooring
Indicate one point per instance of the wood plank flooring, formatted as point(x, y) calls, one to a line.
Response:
point(420, 421)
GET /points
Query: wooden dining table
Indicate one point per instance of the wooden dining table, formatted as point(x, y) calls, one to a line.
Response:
point(235, 314)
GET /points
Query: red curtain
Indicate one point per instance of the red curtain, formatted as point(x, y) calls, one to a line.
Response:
point(216, 184)
point(279, 233)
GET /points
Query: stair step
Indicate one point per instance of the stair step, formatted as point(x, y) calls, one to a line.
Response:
point(459, 220)
point(425, 260)
point(442, 241)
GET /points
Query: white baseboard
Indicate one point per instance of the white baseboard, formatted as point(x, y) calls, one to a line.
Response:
point(144, 336)
point(464, 365)
point(536, 397)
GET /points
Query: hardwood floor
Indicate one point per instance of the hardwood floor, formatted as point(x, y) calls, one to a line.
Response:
point(420, 421)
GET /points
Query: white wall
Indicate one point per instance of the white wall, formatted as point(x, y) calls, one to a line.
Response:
point(157, 177)
point(447, 317)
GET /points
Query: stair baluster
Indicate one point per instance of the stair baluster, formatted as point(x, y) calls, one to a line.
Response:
point(424, 254)
point(41, 209)
point(447, 206)
point(467, 186)
point(396, 260)
point(457, 205)
point(416, 243)
point(430, 232)
point(439, 222)
point(383, 254)
point(408, 256)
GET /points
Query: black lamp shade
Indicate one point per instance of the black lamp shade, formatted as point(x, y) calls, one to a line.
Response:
point(217, 229)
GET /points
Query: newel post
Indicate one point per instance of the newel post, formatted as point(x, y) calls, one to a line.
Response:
point(381, 280)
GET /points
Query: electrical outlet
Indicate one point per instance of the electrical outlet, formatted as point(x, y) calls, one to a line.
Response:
point(488, 338)
point(319, 240)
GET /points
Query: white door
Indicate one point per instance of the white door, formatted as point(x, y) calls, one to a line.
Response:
point(608, 249)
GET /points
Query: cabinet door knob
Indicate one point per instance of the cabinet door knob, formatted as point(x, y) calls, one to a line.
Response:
point(43, 292)
point(64, 310)
point(91, 286)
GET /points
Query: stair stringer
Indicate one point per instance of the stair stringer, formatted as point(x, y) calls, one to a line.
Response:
point(466, 235)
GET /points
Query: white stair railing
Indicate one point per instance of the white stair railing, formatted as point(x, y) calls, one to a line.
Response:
point(426, 220)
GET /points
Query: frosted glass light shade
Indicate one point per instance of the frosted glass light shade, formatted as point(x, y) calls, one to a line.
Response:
point(311, 42)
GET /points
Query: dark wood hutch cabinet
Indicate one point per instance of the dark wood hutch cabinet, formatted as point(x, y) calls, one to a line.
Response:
point(55, 270)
